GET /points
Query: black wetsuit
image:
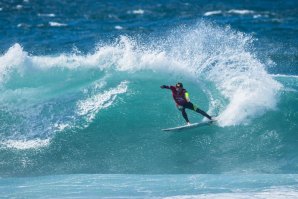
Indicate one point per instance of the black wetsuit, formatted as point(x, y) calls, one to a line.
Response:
point(191, 106)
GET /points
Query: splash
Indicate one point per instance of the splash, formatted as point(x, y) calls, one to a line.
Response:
point(227, 59)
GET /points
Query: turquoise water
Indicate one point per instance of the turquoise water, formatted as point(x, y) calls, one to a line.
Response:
point(81, 97)
point(152, 186)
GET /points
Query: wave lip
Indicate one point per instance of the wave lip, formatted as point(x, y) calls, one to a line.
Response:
point(12, 59)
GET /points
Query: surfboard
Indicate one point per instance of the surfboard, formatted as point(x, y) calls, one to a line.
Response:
point(191, 126)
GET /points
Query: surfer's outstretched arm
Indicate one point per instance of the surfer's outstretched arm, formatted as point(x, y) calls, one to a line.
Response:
point(165, 87)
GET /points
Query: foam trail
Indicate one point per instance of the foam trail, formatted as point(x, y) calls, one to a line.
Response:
point(26, 144)
point(89, 107)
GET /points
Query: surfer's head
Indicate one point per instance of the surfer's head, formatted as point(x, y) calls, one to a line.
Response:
point(179, 86)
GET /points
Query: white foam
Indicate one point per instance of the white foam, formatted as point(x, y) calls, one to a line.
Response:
point(249, 89)
point(210, 13)
point(273, 193)
point(61, 127)
point(13, 58)
point(23, 25)
point(124, 55)
point(137, 12)
point(241, 12)
point(118, 27)
point(56, 24)
point(283, 75)
point(46, 15)
point(26, 144)
point(19, 7)
point(91, 106)
point(257, 16)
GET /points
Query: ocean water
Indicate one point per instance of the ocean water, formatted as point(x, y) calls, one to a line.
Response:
point(81, 109)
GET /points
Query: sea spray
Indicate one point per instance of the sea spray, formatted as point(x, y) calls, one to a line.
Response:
point(228, 59)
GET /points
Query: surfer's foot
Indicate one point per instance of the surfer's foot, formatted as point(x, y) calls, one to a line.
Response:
point(188, 123)
point(213, 119)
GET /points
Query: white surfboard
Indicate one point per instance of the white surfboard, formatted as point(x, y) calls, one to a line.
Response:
point(193, 125)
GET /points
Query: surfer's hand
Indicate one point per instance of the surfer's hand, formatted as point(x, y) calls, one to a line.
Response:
point(163, 86)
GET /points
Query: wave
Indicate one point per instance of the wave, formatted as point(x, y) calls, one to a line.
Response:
point(53, 93)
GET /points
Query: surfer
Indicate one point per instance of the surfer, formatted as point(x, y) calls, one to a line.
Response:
point(182, 100)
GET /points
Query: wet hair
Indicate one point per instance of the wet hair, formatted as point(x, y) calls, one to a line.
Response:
point(179, 84)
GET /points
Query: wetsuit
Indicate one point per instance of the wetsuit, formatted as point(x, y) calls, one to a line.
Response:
point(182, 103)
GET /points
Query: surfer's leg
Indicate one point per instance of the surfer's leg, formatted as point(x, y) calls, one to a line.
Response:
point(196, 109)
point(203, 113)
point(184, 115)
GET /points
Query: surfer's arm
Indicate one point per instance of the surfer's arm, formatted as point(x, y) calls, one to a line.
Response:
point(166, 87)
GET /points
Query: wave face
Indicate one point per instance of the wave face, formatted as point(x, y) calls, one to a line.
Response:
point(101, 112)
